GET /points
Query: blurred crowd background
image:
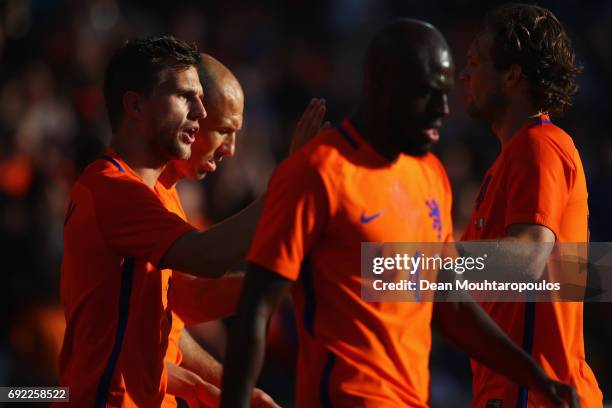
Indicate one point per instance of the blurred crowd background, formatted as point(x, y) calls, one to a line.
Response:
point(53, 123)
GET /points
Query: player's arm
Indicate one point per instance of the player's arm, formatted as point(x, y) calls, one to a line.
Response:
point(520, 255)
point(295, 216)
point(468, 326)
point(212, 252)
point(199, 361)
point(540, 240)
point(198, 300)
point(532, 243)
point(538, 182)
point(263, 291)
point(138, 225)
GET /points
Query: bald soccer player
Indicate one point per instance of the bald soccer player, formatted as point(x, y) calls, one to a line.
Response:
point(520, 70)
point(371, 179)
point(191, 370)
point(121, 243)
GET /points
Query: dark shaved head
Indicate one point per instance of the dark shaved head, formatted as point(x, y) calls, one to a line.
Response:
point(408, 72)
point(405, 43)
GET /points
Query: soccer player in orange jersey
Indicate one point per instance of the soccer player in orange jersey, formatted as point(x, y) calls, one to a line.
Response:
point(120, 242)
point(191, 370)
point(371, 179)
point(521, 69)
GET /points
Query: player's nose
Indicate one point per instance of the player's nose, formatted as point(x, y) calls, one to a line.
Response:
point(197, 109)
point(445, 105)
point(440, 105)
point(228, 147)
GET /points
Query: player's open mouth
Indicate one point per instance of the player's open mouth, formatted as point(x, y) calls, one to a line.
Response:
point(189, 134)
point(210, 166)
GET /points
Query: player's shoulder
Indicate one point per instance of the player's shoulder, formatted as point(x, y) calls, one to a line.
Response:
point(432, 161)
point(324, 152)
point(548, 132)
point(103, 170)
point(107, 179)
point(432, 164)
point(546, 140)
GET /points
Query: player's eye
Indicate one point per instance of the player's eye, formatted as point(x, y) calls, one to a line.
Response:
point(189, 96)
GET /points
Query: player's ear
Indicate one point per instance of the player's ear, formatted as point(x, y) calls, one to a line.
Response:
point(513, 74)
point(133, 105)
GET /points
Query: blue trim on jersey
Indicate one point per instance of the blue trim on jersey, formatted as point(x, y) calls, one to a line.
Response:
point(345, 133)
point(528, 334)
point(483, 191)
point(324, 386)
point(310, 305)
point(539, 122)
point(115, 162)
point(127, 273)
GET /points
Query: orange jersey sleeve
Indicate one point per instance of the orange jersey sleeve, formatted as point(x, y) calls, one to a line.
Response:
point(538, 182)
point(294, 215)
point(134, 221)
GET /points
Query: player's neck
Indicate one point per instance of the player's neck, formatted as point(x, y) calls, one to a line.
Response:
point(169, 177)
point(371, 131)
point(138, 155)
point(512, 119)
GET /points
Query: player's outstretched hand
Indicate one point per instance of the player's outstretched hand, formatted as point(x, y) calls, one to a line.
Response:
point(262, 400)
point(309, 124)
point(562, 395)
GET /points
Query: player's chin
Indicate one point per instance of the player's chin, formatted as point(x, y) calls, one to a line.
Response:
point(182, 151)
point(419, 150)
point(419, 146)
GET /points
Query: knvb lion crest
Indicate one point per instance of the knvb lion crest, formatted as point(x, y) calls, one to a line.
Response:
point(434, 214)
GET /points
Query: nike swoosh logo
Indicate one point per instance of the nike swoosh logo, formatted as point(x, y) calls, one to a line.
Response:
point(365, 219)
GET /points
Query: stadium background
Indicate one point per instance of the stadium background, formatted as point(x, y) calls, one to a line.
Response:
point(52, 123)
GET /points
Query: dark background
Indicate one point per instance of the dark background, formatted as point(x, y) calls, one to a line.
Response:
point(52, 123)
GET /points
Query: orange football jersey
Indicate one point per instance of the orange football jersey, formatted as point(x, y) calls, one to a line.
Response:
point(537, 179)
point(115, 300)
point(322, 203)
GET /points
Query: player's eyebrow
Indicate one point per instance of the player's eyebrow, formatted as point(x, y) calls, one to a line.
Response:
point(234, 123)
point(188, 90)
